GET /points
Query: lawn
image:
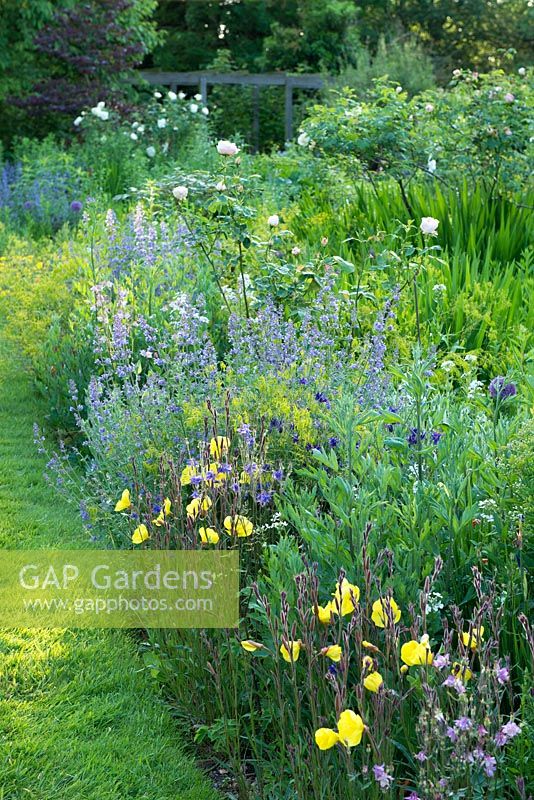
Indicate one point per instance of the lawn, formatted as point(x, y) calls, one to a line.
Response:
point(78, 716)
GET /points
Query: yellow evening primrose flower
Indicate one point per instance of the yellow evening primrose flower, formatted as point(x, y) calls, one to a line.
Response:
point(380, 611)
point(404, 669)
point(140, 534)
point(238, 525)
point(474, 638)
point(187, 473)
point(333, 652)
point(292, 652)
point(124, 502)
point(167, 505)
point(416, 653)
point(219, 446)
point(461, 671)
point(325, 738)
point(343, 597)
point(250, 646)
point(324, 613)
point(373, 681)
point(350, 728)
point(198, 506)
point(208, 535)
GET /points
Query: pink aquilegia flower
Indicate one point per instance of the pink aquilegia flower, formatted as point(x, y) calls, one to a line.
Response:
point(382, 777)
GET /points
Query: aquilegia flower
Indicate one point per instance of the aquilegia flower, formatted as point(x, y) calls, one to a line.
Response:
point(381, 776)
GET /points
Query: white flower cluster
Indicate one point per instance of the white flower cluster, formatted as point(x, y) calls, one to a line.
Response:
point(100, 111)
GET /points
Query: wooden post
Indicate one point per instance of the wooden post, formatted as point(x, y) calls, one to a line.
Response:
point(256, 117)
point(204, 90)
point(289, 110)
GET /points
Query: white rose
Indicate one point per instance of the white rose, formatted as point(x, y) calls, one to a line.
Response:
point(429, 225)
point(172, 95)
point(100, 104)
point(104, 115)
point(398, 89)
point(274, 220)
point(193, 108)
point(151, 151)
point(198, 97)
point(180, 192)
point(162, 123)
point(140, 129)
point(226, 148)
point(157, 95)
point(432, 164)
point(134, 136)
point(181, 95)
point(303, 140)
point(205, 111)
point(429, 107)
point(78, 121)
point(522, 71)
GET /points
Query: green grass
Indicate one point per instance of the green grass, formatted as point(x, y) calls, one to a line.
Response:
point(78, 718)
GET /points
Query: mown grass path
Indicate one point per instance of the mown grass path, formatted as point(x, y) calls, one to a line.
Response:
point(78, 720)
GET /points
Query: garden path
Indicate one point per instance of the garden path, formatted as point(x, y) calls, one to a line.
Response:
point(79, 719)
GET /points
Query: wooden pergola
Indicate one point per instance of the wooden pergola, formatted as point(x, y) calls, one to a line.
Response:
point(204, 79)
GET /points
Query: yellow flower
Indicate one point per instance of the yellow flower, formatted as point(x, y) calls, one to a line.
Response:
point(416, 653)
point(163, 514)
point(124, 502)
point(373, 681)
point(219, 446)
point(244, 477)
point(343, 596)
point(198, 506)
point(380, 611)
point(238, 525)
point(187, 473)
point(140, 534)
point(292, 652)
point(461, 671)
point(250, 646)
point(350, 728)
point(474, 638)
point(208, 535)
point(333, 652)
point(324, 613)
point(325, 738)
point(404, 669)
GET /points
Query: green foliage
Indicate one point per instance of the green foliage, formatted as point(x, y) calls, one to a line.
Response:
point(401, 60)
point(478, 130)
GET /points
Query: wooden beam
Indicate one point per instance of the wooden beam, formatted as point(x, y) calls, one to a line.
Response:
point(256, 118)
point(288, 110)
point(301, 81)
